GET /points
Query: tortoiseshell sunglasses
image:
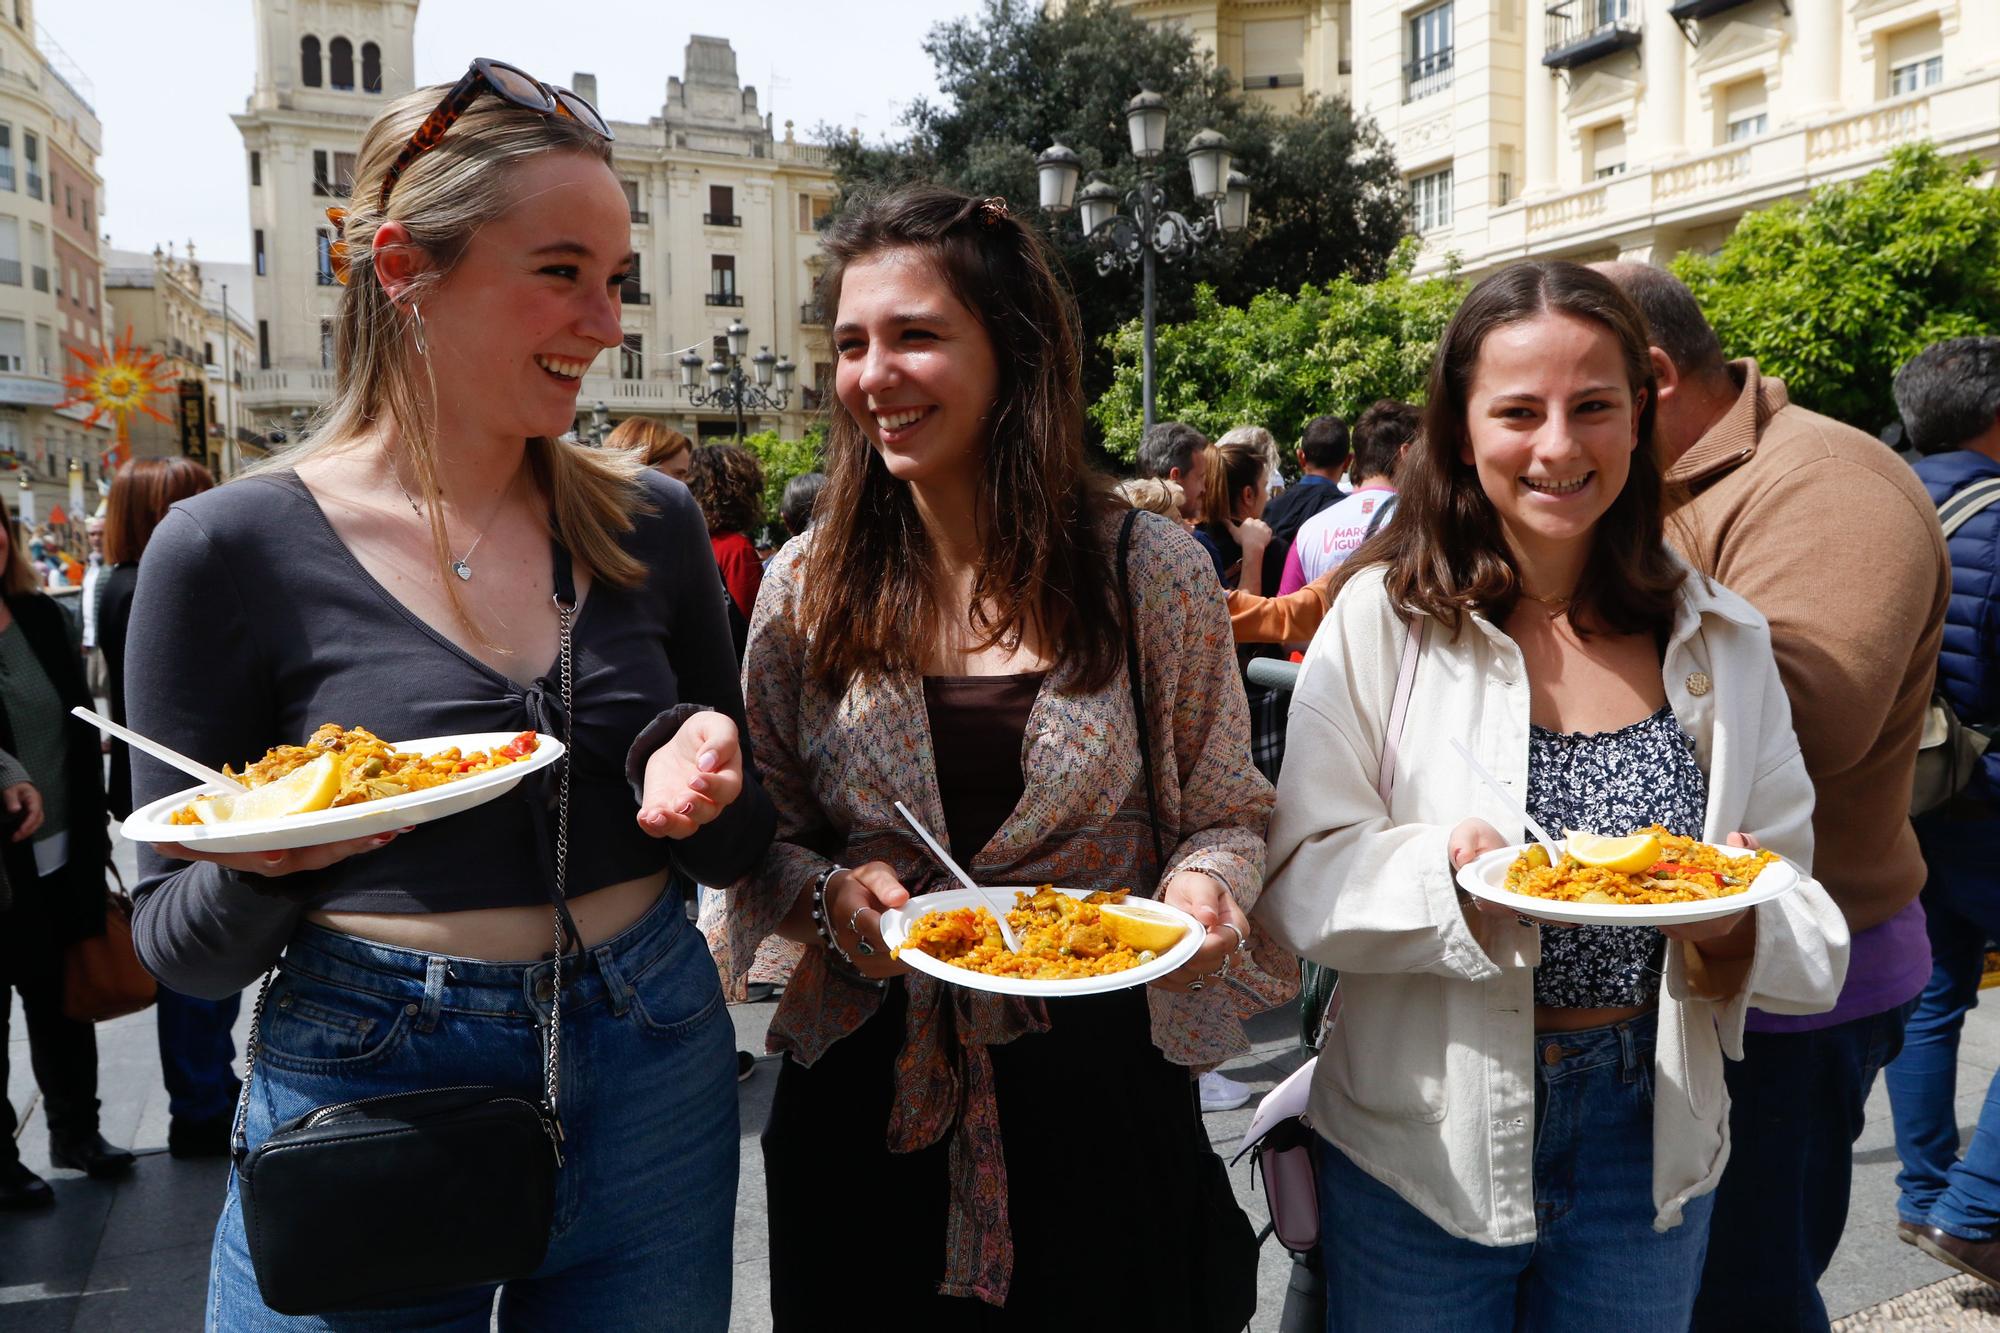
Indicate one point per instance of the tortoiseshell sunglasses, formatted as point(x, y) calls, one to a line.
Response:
point(504, 81)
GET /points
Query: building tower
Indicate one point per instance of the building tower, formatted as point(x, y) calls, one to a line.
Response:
point(325, 69)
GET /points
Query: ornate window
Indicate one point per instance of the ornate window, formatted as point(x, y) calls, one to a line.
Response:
point(309, 61)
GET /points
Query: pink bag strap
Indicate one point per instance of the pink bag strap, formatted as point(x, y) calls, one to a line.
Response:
point(1406, 677)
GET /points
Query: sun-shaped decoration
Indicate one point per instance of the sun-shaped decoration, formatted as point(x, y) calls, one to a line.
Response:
point(117, 384)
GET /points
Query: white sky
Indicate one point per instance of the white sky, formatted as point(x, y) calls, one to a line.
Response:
point(167, 78)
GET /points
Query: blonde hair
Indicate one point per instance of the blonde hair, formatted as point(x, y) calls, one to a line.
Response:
point(652, 440)
point(444, 197)
point(1155, 495)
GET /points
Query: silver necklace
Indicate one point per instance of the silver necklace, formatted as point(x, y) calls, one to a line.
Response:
point(462, 566)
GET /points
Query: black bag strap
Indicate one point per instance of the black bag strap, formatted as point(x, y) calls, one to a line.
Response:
point(1382, 512)
point(1133, 674)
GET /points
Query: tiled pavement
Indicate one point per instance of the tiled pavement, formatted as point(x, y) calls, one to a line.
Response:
point(133, 1256)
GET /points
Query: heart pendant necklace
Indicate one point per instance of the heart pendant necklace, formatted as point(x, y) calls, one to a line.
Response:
point(460, 565)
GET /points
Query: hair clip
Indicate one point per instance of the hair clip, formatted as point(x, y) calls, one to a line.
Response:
point(993, 210)
point(338, 217)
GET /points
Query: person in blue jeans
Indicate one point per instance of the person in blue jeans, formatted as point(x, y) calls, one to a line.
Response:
point(1949, 397)
point(1522, 1124)
point(440, 559)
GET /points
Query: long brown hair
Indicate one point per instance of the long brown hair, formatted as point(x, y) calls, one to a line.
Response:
point(1445, 551)
point(728, 483)
point(655, 441)
point(141, 494)
point(869, 604)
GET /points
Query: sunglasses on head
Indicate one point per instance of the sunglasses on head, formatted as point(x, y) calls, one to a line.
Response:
point(503, 81)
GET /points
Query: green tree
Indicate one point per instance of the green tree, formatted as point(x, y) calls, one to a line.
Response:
point(1834, 294)
point(1282, 360)
point(1326, 194)
point(781, 460)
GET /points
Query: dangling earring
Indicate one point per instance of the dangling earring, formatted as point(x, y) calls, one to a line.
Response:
point(417, 330)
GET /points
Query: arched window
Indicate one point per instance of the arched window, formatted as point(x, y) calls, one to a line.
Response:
point(309, 62)
point(371, 68)
point(340, 54)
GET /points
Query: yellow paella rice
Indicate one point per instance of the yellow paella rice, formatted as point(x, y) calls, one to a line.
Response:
point(1062, 938)
point(1687, 871)
point(369, 768)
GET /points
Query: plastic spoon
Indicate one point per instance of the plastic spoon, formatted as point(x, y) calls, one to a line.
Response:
point(944, 858)
point(159, 751)
point(1549, 845)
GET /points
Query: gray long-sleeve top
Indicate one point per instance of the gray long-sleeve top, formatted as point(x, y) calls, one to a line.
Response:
point(253, 624)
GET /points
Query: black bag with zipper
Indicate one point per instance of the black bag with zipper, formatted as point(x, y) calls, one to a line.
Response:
point(478, 1163)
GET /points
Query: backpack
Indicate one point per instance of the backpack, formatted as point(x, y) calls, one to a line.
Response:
point(1951, 747)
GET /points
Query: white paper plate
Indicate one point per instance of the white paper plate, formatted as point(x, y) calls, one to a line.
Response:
point(350, 821)
point(1486, 877)
point(896, 924)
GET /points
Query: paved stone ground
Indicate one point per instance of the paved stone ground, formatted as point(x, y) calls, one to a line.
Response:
point(134, 1255)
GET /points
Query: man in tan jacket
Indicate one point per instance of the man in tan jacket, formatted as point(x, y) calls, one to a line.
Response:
point(1829, 534)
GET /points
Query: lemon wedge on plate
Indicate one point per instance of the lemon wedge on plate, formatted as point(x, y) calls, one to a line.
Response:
point(305, 789)
point(1627, 856)
point(1141, 928)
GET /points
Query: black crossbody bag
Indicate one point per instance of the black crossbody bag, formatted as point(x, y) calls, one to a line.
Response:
point(477, 1163)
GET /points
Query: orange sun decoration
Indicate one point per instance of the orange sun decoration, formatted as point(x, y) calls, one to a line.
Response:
point(117, 384)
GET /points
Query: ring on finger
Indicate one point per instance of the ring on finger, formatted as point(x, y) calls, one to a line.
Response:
point(1240, 939)
point(1194, 986)
point(861, 944)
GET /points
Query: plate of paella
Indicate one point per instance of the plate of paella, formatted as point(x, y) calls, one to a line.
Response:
point(1073, 941)
point(1648, 877)
point(343, 783)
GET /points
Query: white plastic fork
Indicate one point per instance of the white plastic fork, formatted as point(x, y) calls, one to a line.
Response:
point(1549, 845)
point(160, 752)
point(944, 857)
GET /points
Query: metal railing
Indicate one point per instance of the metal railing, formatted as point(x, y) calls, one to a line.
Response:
point(1427, 74)
point(723, 298)
point(722, 219)
point(810, 313)
point(1581, 27)
point(640, 217)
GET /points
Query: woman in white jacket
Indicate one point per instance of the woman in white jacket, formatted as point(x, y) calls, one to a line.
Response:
point(1523, 1124)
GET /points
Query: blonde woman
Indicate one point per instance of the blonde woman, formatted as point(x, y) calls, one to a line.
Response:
point(663, 447)
point(400, 571)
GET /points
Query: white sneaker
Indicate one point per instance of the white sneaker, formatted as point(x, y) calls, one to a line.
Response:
point(1222, 1093)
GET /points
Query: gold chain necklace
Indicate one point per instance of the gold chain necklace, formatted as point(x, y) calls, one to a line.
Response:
point(1555, 603)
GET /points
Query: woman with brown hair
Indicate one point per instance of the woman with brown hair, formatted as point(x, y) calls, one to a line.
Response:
point(950, 634)
point(54, 853)
point(665, 449)
point(197, 1050)
point(728, 484)
point(436, 559)
point(1523, 1124)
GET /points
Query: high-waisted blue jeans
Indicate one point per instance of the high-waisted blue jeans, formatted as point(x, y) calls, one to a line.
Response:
point(645, 1203)
point(1596, 1262)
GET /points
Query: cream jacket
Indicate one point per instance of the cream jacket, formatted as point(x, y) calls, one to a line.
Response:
point(1427, 1080)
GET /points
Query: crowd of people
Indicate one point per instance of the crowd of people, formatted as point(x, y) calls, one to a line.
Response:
point(1632, 577)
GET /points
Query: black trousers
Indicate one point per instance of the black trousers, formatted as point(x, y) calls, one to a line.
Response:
point(63, 1053)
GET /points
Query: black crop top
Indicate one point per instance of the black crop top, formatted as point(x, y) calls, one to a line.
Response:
point(253, 624)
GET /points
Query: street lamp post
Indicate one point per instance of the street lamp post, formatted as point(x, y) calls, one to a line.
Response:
point(1150, 231)
point(767, 388)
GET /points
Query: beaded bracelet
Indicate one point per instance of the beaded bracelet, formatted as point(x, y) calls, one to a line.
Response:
point(822, 925)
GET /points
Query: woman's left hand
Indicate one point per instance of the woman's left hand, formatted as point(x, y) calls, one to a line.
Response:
point(1732, 936)
point(1228, 929)
point(692, 777)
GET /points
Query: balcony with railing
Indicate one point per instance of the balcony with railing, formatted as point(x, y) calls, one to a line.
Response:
point(1687, 11)
point(722, 219)
point(1427, 74)
point(264, 390)
point(812, 313)
point(640, 217)
point(1580, 31)
point(723, 298)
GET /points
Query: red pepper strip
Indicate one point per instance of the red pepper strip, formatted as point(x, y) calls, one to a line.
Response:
point(521, 746)
point(1678, 870)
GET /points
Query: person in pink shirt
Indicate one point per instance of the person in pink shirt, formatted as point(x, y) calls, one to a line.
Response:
point(1330, 536)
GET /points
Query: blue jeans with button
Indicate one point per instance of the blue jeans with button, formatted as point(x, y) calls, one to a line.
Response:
point(645, 1203)
point(1596, 1263)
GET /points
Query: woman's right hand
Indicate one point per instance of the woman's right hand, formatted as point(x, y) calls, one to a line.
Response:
point(274, 865)
point(859, 897)
point(1252, 534)
point(1473, 838)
